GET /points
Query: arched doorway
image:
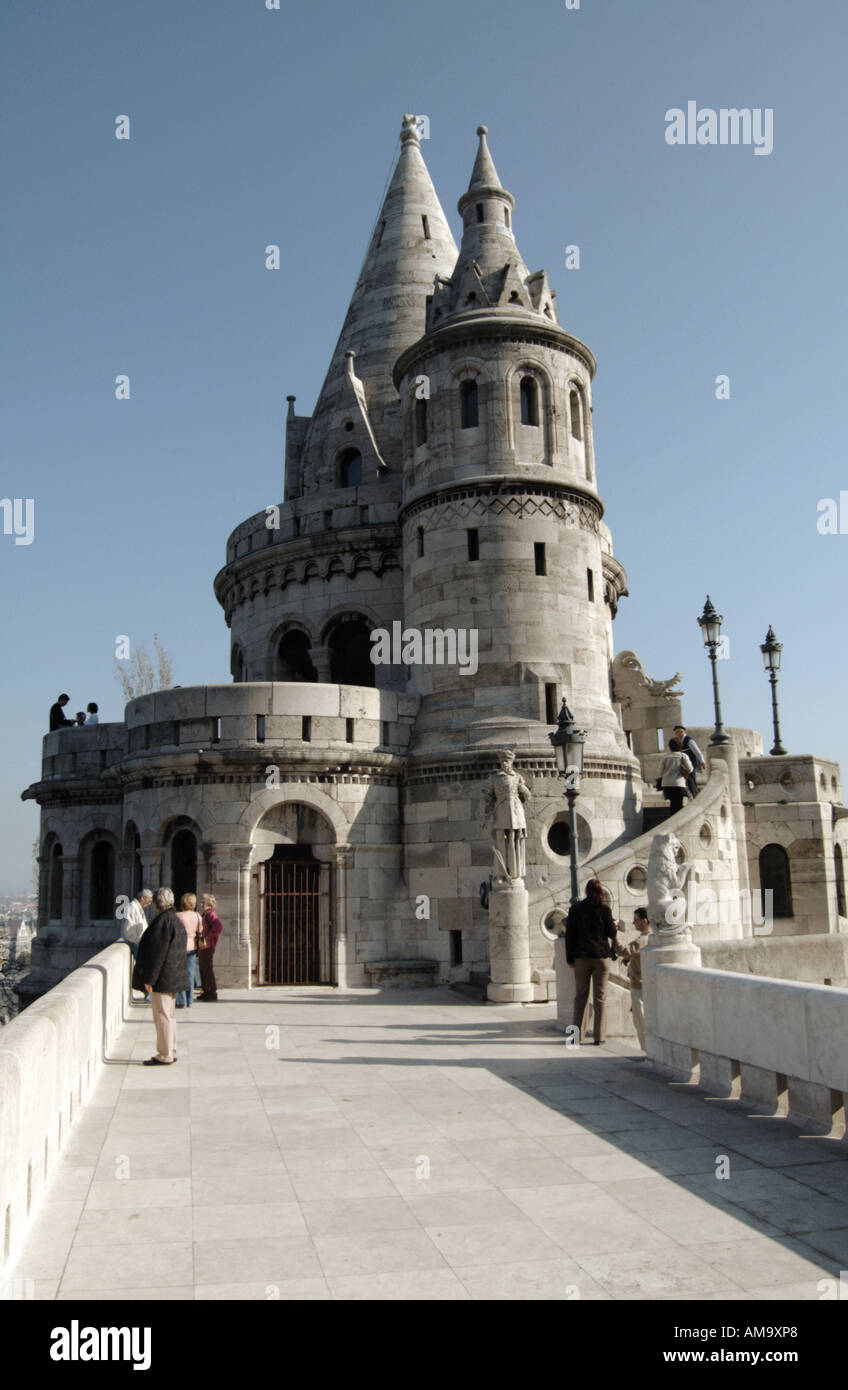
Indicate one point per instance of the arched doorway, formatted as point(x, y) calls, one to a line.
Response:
point(183, 864)
point(290, 904)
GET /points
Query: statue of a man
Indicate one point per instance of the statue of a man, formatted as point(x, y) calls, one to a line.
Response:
point(505, 796)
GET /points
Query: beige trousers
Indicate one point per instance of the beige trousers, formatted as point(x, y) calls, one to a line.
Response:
point(588, 971)
point(165, 1019)
point(638, 1015)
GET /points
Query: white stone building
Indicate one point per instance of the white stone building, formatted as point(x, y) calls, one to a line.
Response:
point(445, 483)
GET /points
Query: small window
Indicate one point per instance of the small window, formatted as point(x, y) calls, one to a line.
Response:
point(363, 516)
point(386, 733)
point(590, 585)
point(576, 424)
point(529, 401)
point(216, 731)
point(380, 231)
point(350, 468)
point(839, 868)
point(328, 520)
point(306, 728)
point(349, 730)
point(473, 543)
point(506, 216)
point(551, 713)
point(420, 422)
point(468, 405)
point(348, 425)
point(479, 212)
point(296, 525)
point(260, 728)
point(539, 554)
point(420, 540)
point(456, 948)
point(425, 222)
point(775, 875)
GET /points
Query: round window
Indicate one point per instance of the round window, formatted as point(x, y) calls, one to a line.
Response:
point(637, 879)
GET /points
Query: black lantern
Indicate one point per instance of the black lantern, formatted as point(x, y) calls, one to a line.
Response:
point(710, 624)
point(771, 650)
point(568, 742)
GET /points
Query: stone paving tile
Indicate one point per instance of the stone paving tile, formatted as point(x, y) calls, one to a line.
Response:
point(383, 1151)
point(420, 1285)
point(167, 1294)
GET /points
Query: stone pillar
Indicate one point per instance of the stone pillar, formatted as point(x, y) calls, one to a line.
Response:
point(151, 868)
point(564, 986)
point(43, 890)
point(678, 950)
point(321, 661)
point(509, 944)
point(344, 860)
point(70, 890)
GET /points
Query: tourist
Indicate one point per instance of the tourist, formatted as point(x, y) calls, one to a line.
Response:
point(57, 714)
point(674, 773)
point(193, 924)
point(92, 715)
point(135, 922)
point(695, 756)
point(80, 719)
point(212, 929)
point(633, 960)
point(160, 970)
point(589, 948)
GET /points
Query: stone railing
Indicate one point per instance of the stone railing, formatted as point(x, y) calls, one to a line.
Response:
point(348, 718)
point(773, 1043)
point(50, 1058)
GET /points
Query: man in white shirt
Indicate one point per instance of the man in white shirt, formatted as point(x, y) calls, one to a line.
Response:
point(135, 922)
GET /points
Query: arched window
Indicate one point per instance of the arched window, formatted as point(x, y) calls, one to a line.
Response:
point(294, 657)
point(839, 866)
point(349, 645)
point(350, 468)
point(420, 421)
point(576, 421)
point(529, 401)
point(468, 405)
point(54, 911)
point(183, 864)
point(237, 663)
point(774, 875)
point(102, 895)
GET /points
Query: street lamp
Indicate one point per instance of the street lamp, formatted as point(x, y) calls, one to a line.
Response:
point(568, 744)
point(771, 650)
point(710, 624)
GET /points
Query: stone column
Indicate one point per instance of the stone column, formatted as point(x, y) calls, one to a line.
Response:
point(344, 860)
point(151, 868)
point(43, 890)
point(677, 950)
point(70, 890)
point(509, 944)
point(321, 661)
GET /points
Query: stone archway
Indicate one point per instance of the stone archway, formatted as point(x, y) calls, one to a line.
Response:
point(294, 854)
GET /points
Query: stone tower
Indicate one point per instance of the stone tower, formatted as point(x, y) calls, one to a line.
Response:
point(503, 535)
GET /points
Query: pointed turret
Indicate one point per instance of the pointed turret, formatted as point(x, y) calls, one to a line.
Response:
point(490, 273)
point(411, 245)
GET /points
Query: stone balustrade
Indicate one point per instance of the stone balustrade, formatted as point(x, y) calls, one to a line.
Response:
point(344, 718)
point(50, 1058)
point(773, 1043)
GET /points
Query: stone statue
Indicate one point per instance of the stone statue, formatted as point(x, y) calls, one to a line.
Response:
point(504, 798)
point(666, 889)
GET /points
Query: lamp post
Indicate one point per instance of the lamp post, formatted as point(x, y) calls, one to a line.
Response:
point(710, 624)
point(771, 650)
point(568, 744)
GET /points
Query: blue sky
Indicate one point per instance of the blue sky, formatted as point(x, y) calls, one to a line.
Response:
point(251, 127)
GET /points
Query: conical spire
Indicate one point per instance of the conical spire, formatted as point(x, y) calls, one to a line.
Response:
point(411, 244)
point(490, 275)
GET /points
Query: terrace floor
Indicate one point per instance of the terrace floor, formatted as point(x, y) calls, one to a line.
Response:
point(412, 1145)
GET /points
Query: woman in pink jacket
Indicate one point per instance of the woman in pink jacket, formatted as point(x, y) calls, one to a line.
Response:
point(212, 929)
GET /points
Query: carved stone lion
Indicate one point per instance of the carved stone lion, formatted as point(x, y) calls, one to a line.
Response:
point(666, 885)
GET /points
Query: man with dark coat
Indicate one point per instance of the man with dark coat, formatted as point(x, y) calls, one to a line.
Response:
point(161, 970)
point(57, 714)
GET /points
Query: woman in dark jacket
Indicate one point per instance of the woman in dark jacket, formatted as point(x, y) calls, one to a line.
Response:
point(161, 970)
point(589, 948)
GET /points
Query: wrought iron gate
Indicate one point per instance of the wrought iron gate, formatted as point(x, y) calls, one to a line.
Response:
point(290, 905)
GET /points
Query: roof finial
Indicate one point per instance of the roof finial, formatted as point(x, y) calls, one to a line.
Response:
point(409, 131)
